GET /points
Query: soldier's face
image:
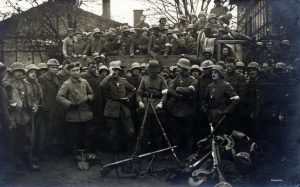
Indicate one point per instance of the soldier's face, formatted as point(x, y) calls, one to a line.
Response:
point(70, 33)
point(253, 73)
point(225, 51)
point(19, 75)
point(201, 18)
point(163, 21)
point(103, 73)
point(165, 74)
point(93, 68)
point(42, 72)
point(195, 73)
point(53, 69)
point(75, 72)
point(239, 70)
point(213, 20)
point(207, 71)
point(32, 74)
point(97, 35)
point(135, 71)
point(230, 68)
point(215, 75)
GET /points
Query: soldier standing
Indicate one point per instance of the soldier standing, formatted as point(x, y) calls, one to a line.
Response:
point(191, 40)
point(111, 45)
point(142, 22)
point(37, 126)
point(52, 112)
point(95, 44)
point(75, 95)
point(220, 100)
point(159, 43)
point(117, 90)
point(143, 41)
point(181, 106)
point(200, 24)
point(68, 44)
point(126, 42)
point(4, 104)
point(22, 107)
point(162, 23)
point(154, 85)
point(182, 24)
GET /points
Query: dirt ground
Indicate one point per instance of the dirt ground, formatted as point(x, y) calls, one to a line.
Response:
point(61, 170)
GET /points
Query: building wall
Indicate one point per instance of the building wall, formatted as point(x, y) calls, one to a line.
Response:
point(18, 32)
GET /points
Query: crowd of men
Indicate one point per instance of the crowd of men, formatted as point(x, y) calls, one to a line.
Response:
point(50, 104)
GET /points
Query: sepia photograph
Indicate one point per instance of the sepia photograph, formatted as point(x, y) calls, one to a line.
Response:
point(143, 93)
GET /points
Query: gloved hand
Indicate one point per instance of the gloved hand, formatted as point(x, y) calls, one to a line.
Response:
point(131, 55)
point(84, 56)
point(159, 105)
point(180, 89)
point(141, 105)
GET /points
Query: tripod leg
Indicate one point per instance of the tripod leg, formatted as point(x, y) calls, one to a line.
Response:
point(141, 132)
point(165, 136)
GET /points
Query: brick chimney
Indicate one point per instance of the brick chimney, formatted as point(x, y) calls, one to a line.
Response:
point(136, 16)
point(106, 9)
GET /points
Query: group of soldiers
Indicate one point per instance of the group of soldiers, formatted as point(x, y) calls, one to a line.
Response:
point(159, 39)
point(50, 104)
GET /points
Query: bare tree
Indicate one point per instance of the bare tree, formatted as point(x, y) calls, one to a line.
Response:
point(171, 9)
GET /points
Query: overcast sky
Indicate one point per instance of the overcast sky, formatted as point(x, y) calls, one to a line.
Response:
point(121, 10)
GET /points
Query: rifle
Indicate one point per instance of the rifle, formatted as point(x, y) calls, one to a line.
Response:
point(32, 132)
point(141, 132)
point(106, 168)
point(216, 159)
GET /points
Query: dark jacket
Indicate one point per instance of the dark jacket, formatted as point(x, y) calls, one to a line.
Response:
point(220, 98)
point(182, 91)
point(116, 91)
point(4, 119)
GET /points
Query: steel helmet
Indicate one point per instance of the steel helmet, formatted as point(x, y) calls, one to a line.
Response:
point(162, 17)
point(2, 67)
point(207, 50)
point(176, 31)
point(3, 72)
point(190, 26)
point(221, 63)
point(280, 65)
point(173, 68)
point(201, 13)
point(220, 69)
point(53, 62)
point(109, 35)
point(103, 67)
point(154, 66)
point(193, 14)
point(184, 63)
point(182, 17)
point(196, 67)
point(254, 65)
point(125, 29)
point(244, 158)
point(135, 65)
point(212, 16)
point(166, 27)
point(132, 30)
point(259, 43)
point(170, 31)
point(42, 66)
point(207, 64)
point(240, 64)
point(31, 67)
point(17, 66)
point(145, 29)
point(97, 30)
point(115, 64)
point(285, 42)
point(143, 65)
